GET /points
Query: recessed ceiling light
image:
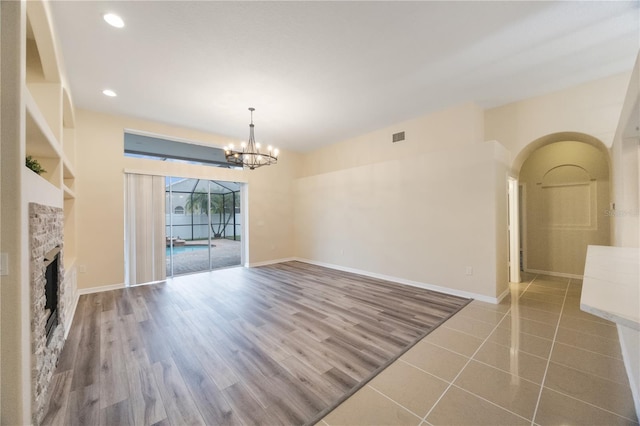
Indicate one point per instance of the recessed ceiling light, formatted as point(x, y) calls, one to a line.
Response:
point(113, 20)
point(109, 92)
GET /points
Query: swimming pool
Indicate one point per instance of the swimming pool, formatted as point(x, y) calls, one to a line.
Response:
point(185, 249)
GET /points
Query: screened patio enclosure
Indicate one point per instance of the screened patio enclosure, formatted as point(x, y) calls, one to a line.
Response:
point(203, 225)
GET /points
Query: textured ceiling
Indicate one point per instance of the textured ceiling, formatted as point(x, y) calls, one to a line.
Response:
point(320, 72)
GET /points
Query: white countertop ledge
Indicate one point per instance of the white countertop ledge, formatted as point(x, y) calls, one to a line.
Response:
point(611, 285)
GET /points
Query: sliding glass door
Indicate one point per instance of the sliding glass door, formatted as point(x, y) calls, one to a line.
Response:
point(203, 225)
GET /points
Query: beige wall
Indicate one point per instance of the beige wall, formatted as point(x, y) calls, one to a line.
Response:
point(604, 110)
point(626, 168)
point(439, 175)
point(421, 210)
point(451, 136)
point(588, 112)
point(100, 194)
point(450, 128)
point(592, 108)
point(566, 194)
point(15, 353)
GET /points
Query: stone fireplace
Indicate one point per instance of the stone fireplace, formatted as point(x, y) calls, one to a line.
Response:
point(48, 298)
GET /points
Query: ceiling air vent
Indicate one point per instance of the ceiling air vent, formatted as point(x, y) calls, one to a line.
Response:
point(397, 137)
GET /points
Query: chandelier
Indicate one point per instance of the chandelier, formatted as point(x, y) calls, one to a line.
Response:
point(250, 155)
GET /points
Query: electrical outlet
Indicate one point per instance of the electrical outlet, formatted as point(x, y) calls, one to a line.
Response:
point(82, 269)
point(468, 270)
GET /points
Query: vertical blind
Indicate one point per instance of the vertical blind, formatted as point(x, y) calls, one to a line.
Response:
point(145, 245)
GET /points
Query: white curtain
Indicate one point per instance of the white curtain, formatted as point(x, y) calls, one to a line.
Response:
point(145, 247)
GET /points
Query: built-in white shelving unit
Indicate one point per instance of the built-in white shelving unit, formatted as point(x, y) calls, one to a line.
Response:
point(50, 135)
point(41, 124)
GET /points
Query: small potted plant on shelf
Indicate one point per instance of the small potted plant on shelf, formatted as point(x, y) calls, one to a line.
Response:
point(34, 165)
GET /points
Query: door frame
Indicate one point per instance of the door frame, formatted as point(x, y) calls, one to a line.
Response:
point(244, 215)
point(513, 229)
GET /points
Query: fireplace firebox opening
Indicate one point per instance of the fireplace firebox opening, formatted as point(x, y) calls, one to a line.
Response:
point(52, 274)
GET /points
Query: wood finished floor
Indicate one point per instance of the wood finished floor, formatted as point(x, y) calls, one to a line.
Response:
point(279, 344)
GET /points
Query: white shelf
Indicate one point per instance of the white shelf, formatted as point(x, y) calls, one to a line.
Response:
point(68, 171)
point(68, 193)
point(69, 145)
point(40, 140)
point(37, 189)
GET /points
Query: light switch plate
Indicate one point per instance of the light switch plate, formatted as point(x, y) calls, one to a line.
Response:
point(4, 263)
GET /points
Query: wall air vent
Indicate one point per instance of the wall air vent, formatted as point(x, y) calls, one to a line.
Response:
point(397, 137)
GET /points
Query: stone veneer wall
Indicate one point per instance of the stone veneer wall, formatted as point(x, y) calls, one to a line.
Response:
point(46, 226)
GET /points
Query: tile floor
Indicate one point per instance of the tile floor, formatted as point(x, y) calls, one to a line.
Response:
point(534, 359)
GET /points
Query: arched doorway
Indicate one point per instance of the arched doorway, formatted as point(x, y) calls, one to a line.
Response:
point(564, 182)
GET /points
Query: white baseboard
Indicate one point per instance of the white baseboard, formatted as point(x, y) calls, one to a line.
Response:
point(270, 262)
point(554, 274)
point(446, 290)
point(151, 282)
point(99, 289)
point(504, 294)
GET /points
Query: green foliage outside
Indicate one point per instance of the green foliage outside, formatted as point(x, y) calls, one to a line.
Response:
point(197, 203)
